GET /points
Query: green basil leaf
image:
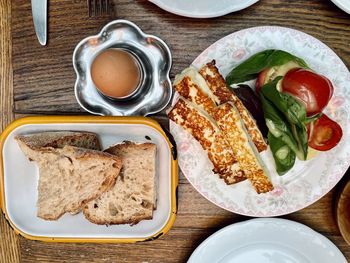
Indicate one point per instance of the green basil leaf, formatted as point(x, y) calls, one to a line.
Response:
point(293, 110)
point(300, 134)
point(277, 123)
point(280, 57)
point(283, 155)
point(313, 118)
point(250, 68)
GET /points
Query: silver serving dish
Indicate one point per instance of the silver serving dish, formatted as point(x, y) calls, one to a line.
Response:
point(155, 61)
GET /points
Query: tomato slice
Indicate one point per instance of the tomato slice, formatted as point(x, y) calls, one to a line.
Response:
point(270, 74)
point(261, 80)
point(324, 133)
point(313, 89)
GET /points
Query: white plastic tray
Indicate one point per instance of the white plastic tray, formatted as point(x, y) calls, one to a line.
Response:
point(20, 179)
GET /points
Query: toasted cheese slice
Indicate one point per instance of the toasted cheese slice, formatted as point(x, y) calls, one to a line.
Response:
point(229, 121)
point(206, 132)
point(192, 86)
point(222, 94)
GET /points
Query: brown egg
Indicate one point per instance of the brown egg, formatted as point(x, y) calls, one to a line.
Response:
point(115, 73)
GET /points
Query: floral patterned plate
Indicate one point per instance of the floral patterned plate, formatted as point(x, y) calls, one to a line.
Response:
point(307, 181)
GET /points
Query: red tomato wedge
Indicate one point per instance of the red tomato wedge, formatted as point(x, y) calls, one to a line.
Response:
point(261, 81)
point(313, 89)
point(270, 74)
point(324, 133)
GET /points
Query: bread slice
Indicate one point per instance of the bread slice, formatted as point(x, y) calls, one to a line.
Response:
point(133, 198)
point(58, 139)
point(204, 129)
point(70, 177)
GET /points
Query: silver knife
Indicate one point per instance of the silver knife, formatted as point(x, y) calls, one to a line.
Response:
point(39, 11)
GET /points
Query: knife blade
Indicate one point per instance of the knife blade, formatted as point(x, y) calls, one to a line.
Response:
point(39, 12)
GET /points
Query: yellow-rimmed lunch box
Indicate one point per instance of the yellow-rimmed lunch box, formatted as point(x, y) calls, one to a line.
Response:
point(19, 180)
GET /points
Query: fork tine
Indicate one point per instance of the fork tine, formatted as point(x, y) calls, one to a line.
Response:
point(95, 8)
point(101, 7)
point(89, 7)
point(108, 7)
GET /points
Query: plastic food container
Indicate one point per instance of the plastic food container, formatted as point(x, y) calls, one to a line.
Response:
point(19, 180)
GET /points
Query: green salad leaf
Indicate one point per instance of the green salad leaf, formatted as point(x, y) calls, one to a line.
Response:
point(277, 123)
point(293, 110)
point(250, 68)
point(283, 155)
point(313, 118)
point(300, 134)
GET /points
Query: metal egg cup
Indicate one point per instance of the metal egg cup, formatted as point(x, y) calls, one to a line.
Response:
point(154, 57)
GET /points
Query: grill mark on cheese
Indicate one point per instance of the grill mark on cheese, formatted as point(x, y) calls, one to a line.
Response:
point(222, 94)
point(210, 138)
point(190, 91)
point(229, 121)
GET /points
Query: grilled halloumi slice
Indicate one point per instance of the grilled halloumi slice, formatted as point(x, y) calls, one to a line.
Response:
point(222, 94)
point(206, 132)
point(229, 121)
point(193, 87)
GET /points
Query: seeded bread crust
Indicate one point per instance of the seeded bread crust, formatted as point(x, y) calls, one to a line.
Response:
point(70, 177)
point(58, 139)
point(133, 198)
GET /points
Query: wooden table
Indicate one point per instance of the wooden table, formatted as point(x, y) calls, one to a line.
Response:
point(23, 93)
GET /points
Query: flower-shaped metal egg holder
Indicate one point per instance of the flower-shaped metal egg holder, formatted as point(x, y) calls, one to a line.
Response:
point(153, 56)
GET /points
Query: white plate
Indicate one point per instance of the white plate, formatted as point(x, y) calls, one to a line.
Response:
point(343, 4)
point(307, 181)
point(203, 8)
point(267, 241)
point(21, 179)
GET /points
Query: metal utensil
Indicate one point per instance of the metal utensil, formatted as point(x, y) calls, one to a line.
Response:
point(39, 12)
point(98, 7)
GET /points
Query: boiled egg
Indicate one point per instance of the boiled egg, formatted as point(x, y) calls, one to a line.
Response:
point(115, 73)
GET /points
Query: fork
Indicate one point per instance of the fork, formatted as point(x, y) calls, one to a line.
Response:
point(98, 7)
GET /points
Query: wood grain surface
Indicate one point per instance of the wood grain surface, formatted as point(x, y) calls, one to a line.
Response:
point(9, 243)
point(44, 76)
point(43, 80)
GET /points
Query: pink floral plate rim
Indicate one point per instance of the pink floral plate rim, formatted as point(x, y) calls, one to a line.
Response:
point(337, 177)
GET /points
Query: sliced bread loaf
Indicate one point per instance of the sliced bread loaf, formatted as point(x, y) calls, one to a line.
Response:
point(58, 139)
point(133, 197)
point(70, 177)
